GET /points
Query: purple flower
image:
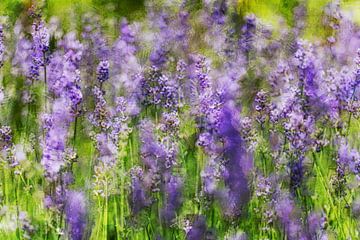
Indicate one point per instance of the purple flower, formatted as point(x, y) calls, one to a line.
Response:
point(22, 57)
point(198, 229)
point(238, 161)
point(248, 34)
point(153, 154)
point(170, 123)
point(158, 89)
point(218, 14)
point(101, 116)
point(158, 56)
point(161, 49)
point(316, 223)
point(127, 34)
point(286, 211)
point(138, 198)
point(64, 73)
point(40, 45)
point(5, 137)
point(296, 174)
point(202, 71)
point(53, 159)
point(103, 71)
point(173, 199)
point(262, 106)
point(76, 214)
point(41, 36)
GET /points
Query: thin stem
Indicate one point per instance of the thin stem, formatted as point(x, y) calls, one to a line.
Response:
point(75, 130)
point(350, 115)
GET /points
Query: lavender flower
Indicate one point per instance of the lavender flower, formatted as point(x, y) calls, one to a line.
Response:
point(237, 163)
point(157, 89)
point(286, 212)
point(160, 52)
point(154, 156)
point(103, 71)
point(55, 141)
point(173, 199)
point(219, 12)
point(248, 34)
point(76, 213)
point(198, 229)
point(138, 197)
point(5, 137)
point(40, 46)
point(262, 106)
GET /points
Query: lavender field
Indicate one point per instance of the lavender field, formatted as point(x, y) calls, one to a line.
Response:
point(179, 119)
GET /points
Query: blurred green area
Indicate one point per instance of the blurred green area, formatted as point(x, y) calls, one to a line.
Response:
point(268, 10)
point(132, 9)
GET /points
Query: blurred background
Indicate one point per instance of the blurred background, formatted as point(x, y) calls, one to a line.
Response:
point(268, 10)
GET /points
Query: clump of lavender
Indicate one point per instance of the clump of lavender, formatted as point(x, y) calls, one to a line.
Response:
point(248, 133)
point(161, 49)
point(5, 137)
point(125, 64)
point(158, 90)
point(316, 225)
point(110, 126)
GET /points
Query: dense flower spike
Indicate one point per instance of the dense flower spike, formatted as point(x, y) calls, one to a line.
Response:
point(40, 45)
point(103, 71)
point(237, 163)
point(57, 125)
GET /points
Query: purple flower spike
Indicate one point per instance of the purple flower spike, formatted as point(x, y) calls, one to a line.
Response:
point(173, 191)
point(76, 213)
point(198, 229)
point(238, 161)
point(103, 71)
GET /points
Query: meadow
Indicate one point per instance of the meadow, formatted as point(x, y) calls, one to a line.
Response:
point(183, 119)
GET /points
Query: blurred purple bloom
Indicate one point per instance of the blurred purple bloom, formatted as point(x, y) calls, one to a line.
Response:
point(237, 163)
point(138, 197)
point(198, 229)
point(173, 199)
point(76, 214)
point(286, 211)
point(248, 34)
